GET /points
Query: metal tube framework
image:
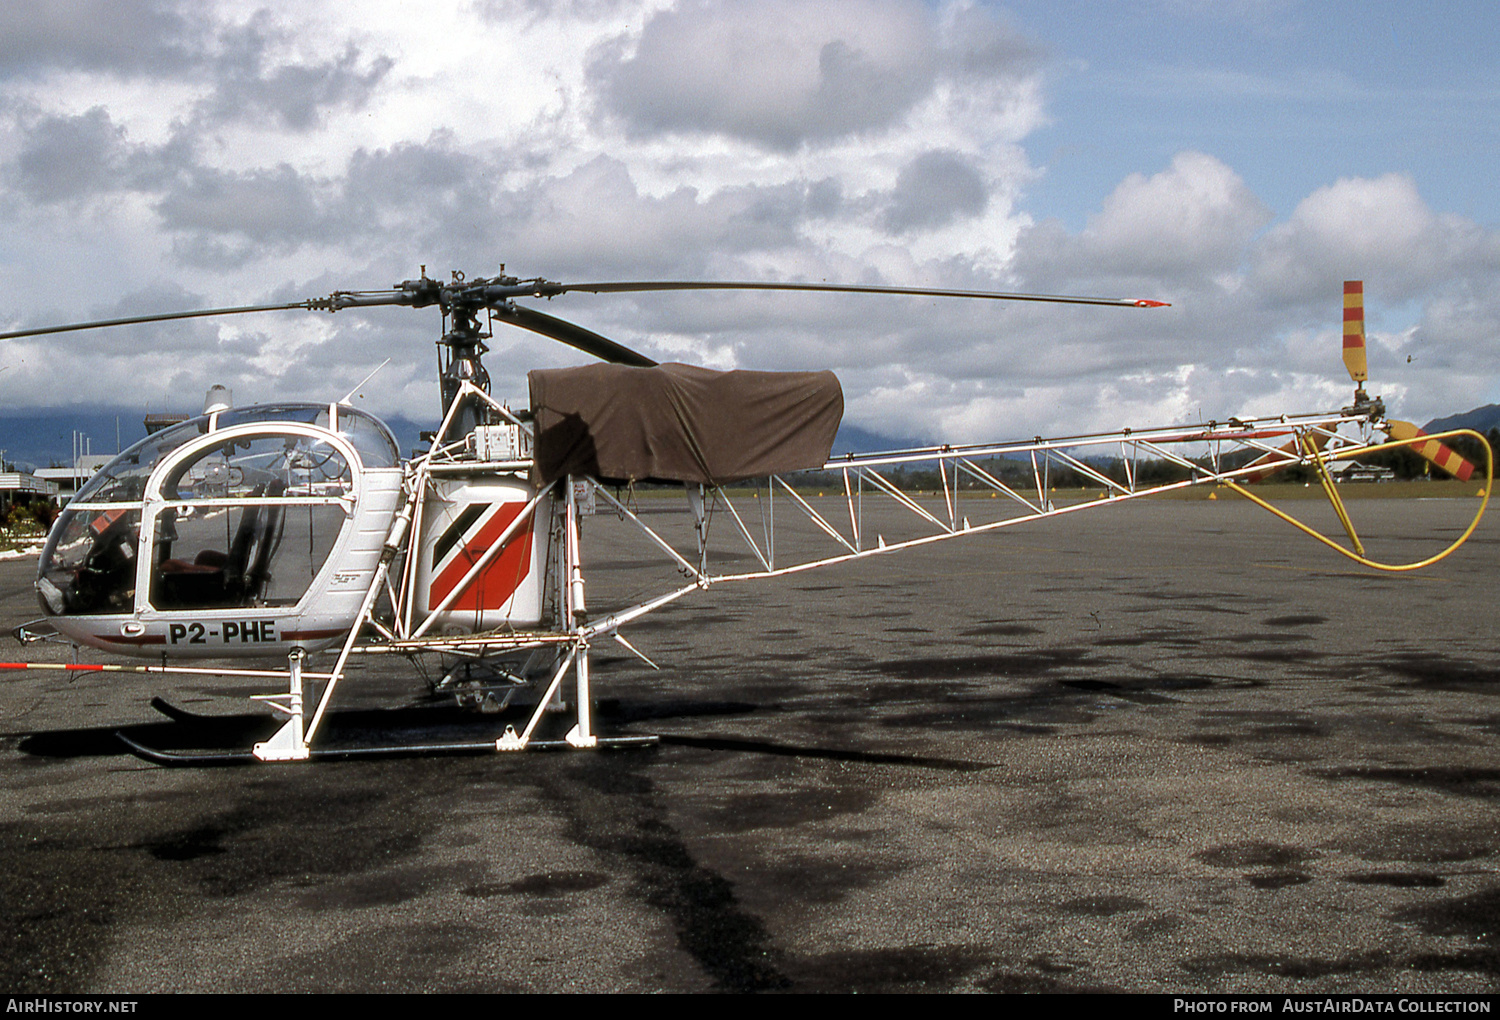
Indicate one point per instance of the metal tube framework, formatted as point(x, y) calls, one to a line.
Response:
point(1199, 450)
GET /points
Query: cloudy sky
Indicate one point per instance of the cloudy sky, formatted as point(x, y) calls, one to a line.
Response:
point(1239, 158)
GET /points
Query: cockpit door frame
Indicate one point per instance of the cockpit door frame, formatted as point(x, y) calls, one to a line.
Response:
point(155, 503)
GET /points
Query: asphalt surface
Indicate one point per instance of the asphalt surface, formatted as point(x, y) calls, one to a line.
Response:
point(1170, 747)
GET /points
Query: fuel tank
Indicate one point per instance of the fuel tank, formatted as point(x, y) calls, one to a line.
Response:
point(462, 521)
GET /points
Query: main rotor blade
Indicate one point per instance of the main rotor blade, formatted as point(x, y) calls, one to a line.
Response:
point(315, 304)
point(545, 288)
point(334, 302)
point(573, 335)
point(494, 293)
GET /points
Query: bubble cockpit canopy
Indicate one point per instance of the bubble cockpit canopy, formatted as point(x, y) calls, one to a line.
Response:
point(223, 490)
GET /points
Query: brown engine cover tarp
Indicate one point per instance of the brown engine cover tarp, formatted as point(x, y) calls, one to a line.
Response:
point(679, 423)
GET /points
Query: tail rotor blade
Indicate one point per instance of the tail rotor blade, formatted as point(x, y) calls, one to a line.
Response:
point(1444, 457)
point(1439, 454)
point(1354, 330)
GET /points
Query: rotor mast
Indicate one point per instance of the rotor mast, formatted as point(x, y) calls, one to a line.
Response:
point(461, 358)
point(462, 361)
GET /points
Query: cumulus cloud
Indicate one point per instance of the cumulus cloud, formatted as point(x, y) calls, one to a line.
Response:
point(98, 35)
point(1256, 316)
point(68, 157)
point(251, 70)
point(975, 44)
point(782, 73)
point(932, 191)
point(73, 158)
point(596, 217)
point(1193, 219)
point(1380, 225)
point(503, 11)
point(1198, 212)
point(251, 83)
point(252, 214)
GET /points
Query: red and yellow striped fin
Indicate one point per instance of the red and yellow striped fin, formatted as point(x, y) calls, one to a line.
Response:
point(1443, 456)
point(1354, 330)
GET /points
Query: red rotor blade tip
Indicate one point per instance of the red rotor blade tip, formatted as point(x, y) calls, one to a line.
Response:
point(1147, 303)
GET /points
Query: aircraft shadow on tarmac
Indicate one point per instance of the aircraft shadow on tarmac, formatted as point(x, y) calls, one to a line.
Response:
point(183, 730)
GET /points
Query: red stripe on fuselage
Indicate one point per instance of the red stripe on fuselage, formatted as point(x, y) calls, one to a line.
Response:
point(497, 582)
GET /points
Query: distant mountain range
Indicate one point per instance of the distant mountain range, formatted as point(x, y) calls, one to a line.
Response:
point(43, 437)
point(1481, 420)
point(853, 439)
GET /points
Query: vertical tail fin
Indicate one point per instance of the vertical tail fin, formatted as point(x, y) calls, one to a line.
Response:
point(1354, 330)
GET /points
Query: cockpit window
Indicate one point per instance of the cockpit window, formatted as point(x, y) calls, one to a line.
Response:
point(90, 563)
point(217, 556)
point(248, 522)
point(260, 466)
point(123, 480)
point(373, 441)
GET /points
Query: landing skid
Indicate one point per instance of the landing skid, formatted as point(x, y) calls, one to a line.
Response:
point(208, 759)
point(177, 714)
point(216, 728)
point(179, 759)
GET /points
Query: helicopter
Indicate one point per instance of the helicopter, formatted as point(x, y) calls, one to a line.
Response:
point(290, 531)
